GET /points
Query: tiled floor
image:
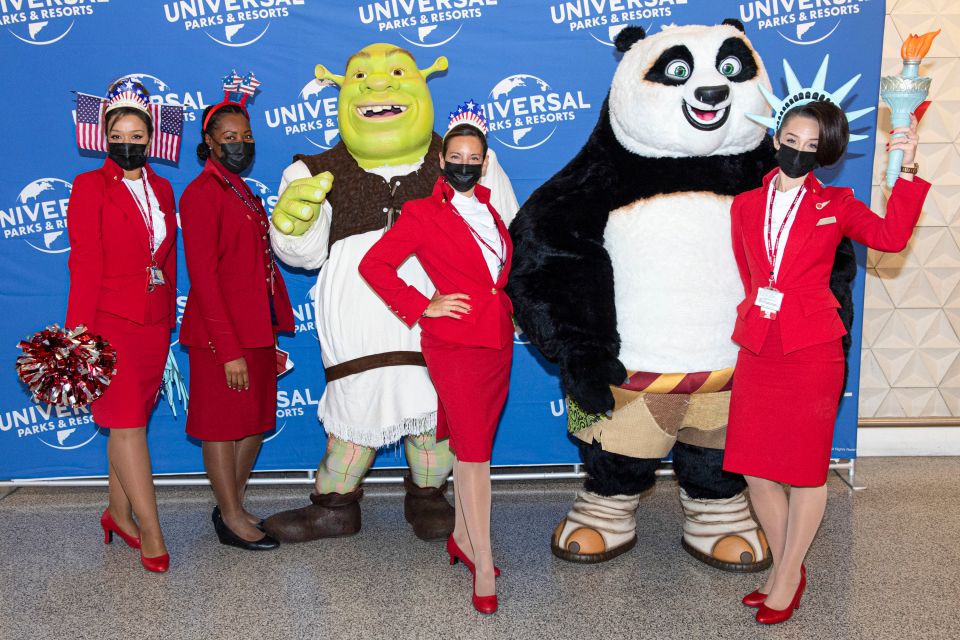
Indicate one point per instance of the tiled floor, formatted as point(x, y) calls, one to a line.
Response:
point(885, 565)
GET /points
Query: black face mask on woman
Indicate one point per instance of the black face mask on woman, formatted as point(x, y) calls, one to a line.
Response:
point(236, 156)
point(462, 177)
point(128, 155)
point(795, 163)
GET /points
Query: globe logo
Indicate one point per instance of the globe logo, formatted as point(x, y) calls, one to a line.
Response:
point(230, 37)
point(69, 438)
point(39, 216)
point(434, 35)
point(807, 33)
point(42, 23)
point(162, 93)
point(260, 189)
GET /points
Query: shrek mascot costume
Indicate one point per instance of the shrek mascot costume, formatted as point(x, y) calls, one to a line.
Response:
point(333, 206)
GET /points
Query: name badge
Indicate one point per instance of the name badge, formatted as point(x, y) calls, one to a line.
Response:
point(769, 300)
point(156, 277)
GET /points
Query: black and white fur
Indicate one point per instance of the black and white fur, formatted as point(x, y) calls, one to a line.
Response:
point(624, 256)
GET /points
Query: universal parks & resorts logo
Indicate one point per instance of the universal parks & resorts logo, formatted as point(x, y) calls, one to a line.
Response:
point(423, 23)
point(231, 23)
point(63, 428)
point(38, 215)
point(602, 20)
point(523, 111)
point(800, 22)
point(44, 22)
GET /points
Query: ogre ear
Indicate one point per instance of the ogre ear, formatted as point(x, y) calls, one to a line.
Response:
point(628, 37)
point(736, 24)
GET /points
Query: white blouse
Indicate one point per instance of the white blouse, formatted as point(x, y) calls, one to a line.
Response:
point(780, 207)
point(479, 217)
point(159, 224)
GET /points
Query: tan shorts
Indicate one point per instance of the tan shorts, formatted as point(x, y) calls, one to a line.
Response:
point(646, 425)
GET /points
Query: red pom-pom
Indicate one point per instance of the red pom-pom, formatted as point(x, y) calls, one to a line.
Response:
point(67, 368)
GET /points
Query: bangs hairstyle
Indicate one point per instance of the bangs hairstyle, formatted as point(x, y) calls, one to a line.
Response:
point(834, 130)
point(465, 131)
point(203, 151)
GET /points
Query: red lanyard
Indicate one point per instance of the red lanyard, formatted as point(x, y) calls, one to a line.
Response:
point(146, 213)
point(501, 255)
point(774, 248)
point(258, 210)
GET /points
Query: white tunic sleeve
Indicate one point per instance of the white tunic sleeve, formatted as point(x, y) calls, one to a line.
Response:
point(308, 251)
point(501, 190)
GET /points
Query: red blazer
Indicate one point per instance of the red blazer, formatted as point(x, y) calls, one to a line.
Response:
point(110, 251)
point(454, 262)
point(226, 248)
point(808, 313)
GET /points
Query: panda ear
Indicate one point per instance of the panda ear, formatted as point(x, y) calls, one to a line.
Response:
point(736, 24)
point(628, 37)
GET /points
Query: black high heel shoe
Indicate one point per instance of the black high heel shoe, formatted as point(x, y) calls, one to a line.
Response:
point(229, 538)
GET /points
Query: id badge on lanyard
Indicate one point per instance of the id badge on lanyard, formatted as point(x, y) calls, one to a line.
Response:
point(769, 298)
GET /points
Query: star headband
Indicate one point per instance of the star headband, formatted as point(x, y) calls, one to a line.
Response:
point(468, 113)
point(798, 95)
point(233, 84)
point(127, 92)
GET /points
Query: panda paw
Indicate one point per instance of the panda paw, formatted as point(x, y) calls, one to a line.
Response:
point(587, 379)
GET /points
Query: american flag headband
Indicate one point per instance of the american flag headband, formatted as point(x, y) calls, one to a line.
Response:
point(469, 113)
point(127, 92)
point(234, 84)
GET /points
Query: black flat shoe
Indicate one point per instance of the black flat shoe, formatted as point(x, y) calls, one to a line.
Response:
point(229, 538)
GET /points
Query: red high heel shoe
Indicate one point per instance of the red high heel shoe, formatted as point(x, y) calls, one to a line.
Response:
point(110, 527)
point(483, 604)
point(755, 598)
point(456, 553)
point(766, 615)
point(158, 564)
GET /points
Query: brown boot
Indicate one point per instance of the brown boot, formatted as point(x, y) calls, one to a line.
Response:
point(428, 511)
point(330, 516)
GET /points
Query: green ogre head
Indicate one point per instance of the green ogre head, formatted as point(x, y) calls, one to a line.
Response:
point(385, 109)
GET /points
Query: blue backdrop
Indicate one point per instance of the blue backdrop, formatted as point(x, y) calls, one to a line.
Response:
point(181, 49)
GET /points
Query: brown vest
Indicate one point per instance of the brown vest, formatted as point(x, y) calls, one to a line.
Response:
point(363, 201)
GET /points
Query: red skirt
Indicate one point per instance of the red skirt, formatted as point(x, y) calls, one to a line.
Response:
point(782, 411)
point(141, 356)
point(471, 384)
point(217, 412)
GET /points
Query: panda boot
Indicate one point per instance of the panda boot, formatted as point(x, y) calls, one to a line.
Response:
point(602, 523)
point(718, 528)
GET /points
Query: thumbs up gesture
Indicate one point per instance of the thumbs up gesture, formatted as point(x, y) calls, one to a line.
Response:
point(299, 205)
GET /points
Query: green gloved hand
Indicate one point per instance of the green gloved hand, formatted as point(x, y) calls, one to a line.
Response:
point(299, 206)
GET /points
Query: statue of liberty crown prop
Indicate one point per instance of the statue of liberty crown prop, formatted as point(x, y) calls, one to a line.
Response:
point(468, 113)
point(127, 92)
point(235, 85)
point(798, 95)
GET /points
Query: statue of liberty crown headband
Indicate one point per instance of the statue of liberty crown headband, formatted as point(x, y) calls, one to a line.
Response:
point(468, 113)
point(798, 95)
point(233, 84)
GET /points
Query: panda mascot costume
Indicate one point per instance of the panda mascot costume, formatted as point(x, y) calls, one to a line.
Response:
point(624, 275)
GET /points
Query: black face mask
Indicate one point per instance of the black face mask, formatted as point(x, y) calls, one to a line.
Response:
point(462, 177)
point(236, 156)
point(795, 163)
point(128, 155)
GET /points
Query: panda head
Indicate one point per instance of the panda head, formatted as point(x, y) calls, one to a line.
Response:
point(686, 91)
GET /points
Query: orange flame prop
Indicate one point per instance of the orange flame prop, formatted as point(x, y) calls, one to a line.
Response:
point(916, 47)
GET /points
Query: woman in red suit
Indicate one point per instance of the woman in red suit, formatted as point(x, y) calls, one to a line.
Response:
point(467, 330)
point(122, 225)
point(790, 368)
point(236, 305)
